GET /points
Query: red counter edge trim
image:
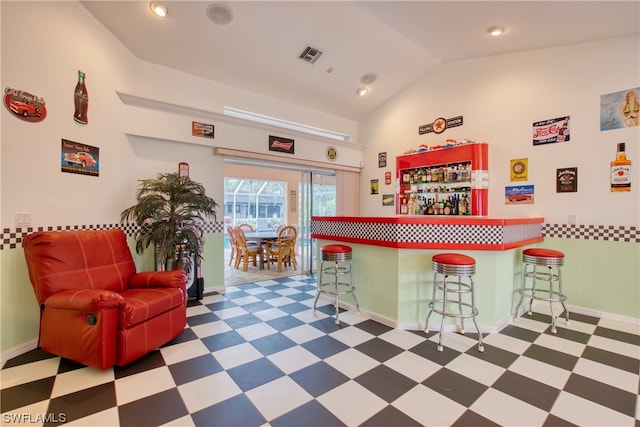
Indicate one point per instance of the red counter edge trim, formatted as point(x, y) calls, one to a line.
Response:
point(430, 245)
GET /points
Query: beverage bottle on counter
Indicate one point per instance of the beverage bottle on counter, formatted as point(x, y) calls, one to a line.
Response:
point(81, 100)
point(621, 171)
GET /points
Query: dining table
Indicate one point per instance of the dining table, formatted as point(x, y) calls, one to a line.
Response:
point(261, 237)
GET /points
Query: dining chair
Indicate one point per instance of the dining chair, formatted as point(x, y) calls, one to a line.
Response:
point(283, 250)
point(246, 251)
point(248, 228)
point(232, 242)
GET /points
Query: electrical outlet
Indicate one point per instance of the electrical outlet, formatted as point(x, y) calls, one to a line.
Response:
point(572, 219)
point(23, 219)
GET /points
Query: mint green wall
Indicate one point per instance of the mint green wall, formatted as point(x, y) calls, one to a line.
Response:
point(601, 275)
point(375, 277)
point(19, 317)
point(213, 262)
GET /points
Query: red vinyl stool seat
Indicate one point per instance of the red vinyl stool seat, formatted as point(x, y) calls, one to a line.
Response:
point(336, 263)
point(552, 260)
point(447, 295)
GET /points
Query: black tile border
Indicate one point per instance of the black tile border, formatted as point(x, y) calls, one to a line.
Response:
point(12, 237)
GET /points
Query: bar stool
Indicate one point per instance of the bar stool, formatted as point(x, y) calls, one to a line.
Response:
point(450, 264)
point(550, 259)
point(336, 262)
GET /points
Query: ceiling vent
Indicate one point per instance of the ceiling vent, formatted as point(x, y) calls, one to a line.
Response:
point(310, 54)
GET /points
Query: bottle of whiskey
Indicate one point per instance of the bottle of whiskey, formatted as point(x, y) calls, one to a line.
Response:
point(621, 171)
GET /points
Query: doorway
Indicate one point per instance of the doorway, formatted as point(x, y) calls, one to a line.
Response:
point(266, 195)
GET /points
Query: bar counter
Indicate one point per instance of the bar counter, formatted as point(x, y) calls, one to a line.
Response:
point(392, 268)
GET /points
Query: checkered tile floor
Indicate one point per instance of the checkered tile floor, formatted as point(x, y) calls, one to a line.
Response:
point(258, 356)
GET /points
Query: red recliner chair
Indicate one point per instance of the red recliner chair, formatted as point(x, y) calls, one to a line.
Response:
point(94, 308)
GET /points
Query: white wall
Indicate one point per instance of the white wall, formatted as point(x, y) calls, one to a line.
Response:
point(135, 142)
point(500, 97)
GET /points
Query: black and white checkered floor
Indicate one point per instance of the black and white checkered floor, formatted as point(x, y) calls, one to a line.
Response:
point(258, 356)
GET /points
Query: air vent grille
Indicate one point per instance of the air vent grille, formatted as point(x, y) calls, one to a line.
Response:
point(310, 54)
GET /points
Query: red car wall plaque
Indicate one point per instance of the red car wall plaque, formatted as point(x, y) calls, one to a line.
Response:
point(25, 106)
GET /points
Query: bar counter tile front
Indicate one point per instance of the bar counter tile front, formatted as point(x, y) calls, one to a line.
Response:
point(392, 261)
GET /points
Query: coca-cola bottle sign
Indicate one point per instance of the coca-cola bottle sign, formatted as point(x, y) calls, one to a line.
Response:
point(81, 100)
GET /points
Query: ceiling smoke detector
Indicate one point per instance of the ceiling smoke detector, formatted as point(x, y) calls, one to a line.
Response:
point(220, 13)
point(310, 55)
point(368, 78)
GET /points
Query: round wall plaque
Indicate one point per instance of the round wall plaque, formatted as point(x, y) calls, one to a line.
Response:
point(332, 153)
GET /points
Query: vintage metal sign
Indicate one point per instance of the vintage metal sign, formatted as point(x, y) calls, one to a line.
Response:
point(283, 145)
point(25, 106)
point(440, 124)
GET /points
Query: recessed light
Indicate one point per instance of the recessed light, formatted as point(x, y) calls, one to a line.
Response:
point(362, 91)
point(159, 9)
point(495, 31)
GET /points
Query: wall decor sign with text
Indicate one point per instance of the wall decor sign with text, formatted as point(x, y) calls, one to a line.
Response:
point(440, 124)
point(567, 180)
point(283, 145)
point(382, 160)
point(551, 130)
point(203, 130)
point(375, 186)
point(620, 109)
point(79, 158)
point(25, 106)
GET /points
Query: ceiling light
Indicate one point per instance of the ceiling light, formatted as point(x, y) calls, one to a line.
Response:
point(159, 9)
point(495, 31)
point(362, 91)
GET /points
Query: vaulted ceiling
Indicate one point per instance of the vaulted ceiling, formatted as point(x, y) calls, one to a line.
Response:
point(393, 43)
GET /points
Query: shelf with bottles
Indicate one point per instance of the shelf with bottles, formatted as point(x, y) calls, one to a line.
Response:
point(436, 203)
point(447, 181)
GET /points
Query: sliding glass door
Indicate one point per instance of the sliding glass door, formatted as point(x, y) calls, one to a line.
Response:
point(317, 197)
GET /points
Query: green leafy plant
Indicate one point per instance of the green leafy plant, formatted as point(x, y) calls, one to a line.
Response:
point(170, 213)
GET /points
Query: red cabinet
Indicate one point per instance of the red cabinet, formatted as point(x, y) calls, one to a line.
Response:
point(445, 181)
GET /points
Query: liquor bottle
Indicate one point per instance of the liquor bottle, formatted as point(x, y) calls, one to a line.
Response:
point(403, 207)
point(463, 208)
point(621, 170)
point(81, 100)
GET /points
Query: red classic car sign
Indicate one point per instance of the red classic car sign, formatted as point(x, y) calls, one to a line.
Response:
point(25, 106)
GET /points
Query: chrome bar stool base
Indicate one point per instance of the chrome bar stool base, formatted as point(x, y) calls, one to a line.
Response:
point(444, 301)
point(336, 262)
point(552, 260)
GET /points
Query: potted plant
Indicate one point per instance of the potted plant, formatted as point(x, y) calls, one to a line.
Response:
point(170, 213)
